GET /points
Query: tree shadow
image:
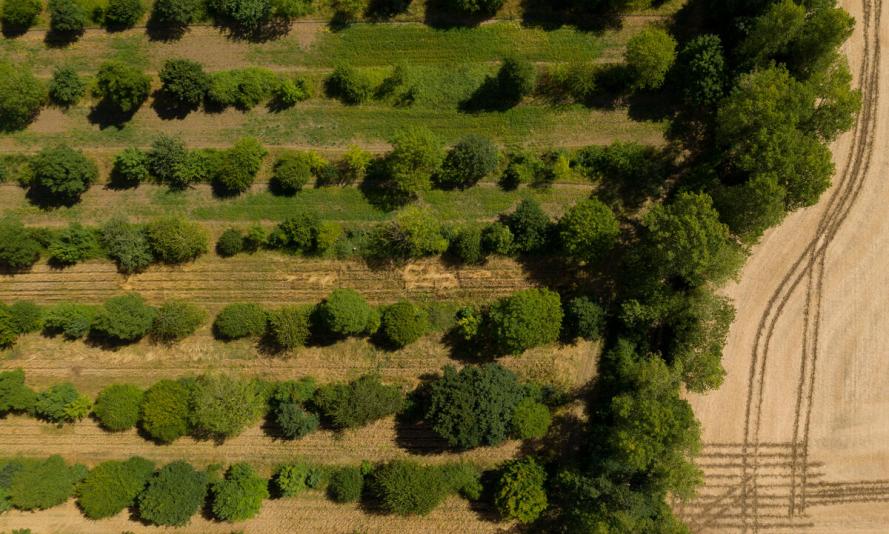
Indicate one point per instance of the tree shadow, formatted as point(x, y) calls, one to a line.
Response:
point(164, 31)
point(376, 188)
point(439, 14)
point(169, 108)
point(380, 10)
point(57, 39)
point(106, 115)
point(10, 31)
point(488, 97)
point(46, 200)
point(411, 433)
point(269, 30)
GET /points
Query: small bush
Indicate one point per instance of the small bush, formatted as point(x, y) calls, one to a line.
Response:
point(349, 85)
point(649, 56)
point(531, 419)
point(112, 487)
point(130, 168)
point(244, 89)
point(173, 495)
point(61, 175)
point(359, 402)
point(127, 245)
point(239, 166)
point(466, 245)
point(239, 495)
point(117, 407)
point(403, 323)
point(19, 15)
point(288, 327)
point(255, 238)
point(15, 396)
point(66, 88)
point(124, 319)
point(185, 82)
point(21, 96)
point(470, 160)
point(413, 233)
point(520, 493)
point(176, 320)
point(298, 233)
point(345, 313)
point(353, 167)
point(8, 334)
point(42, 484)
point(222, 406)
point(515, 79)
point(292, 172)
point(291, 479)
point(406, 488)
point(165, 160)
point(175, 240)
point(290, 92)
point(26, 316)
point(69, 319)
point(175, 14)
point(73, 245)
point(123, 14)
point(122, 87)
point(525, 319)
point(230, 243)
point(346, 485)
point(239, 320)
point(62, 403)
point(588, 231)
point(530, 227)
point(66, 18)
point(294, 420)
point(585, 318)
point(164, 411)
point(18, 249)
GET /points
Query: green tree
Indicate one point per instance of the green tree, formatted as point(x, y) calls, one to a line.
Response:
point(406, 488)
point(349, 85)
point(523, 320)
point(292, 172)
point(67, 18)
point(42, 484)
point(586, 318)
point(130, 168)
point(529, 225)
point(18, 248)
point(700, 328)
point(61, 175)
point(288, 327)
point(123, 14)
point(702, 71)
point(222, 406)
point(175, 14)
point(476, 7)
point(21, 96)
point(649, 55)
point(294, 420)
point(345, 313)
point(239, 166)
point(414, 232)
point(26, 316)
point(8, 334)
point(124, 319)
point(470, 160)
point(73, 245)
point(466, 245)
point(531, 419)
point(165, 410)
point(240, 320)
point(588, 230)
point(497, 238)
point(359, 402)
point(122, 87)
point(62, 403)
point(185, 82)
point(19, 15)
point(290, 479)
point(346, 485)
point(117, 407)
point(230, 243)
point(520, 492)
point(515, 80)
point(69, 319)
point(127, 245)
point(15, 396)
point(176, 240)
point(112, 487)
point(416, 154)
point(173, 495)
point(749, 209)
point(403, 323)
point(66, 88)
point(175, 320)
point(239, 495)
point(165, 161)
point(772, 32)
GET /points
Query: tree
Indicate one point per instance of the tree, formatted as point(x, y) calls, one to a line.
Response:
point(15, 396)
point(239, 166)
point(291, 92)
point(67, 18)
point(515, 80)
point(175, 320)
point(523, 320)
point(165, 161)
point(359, 402)
point(466, 245)
point(222, 406)
point(497, 238)
point(122, 87)
point(416, 154)
point(66, 88)
point(174, 494)
point(288, 327)
point(18, 249)
point(230, 243)
point(42, 484)
point(520, 492)
point(649, 55)
point(414, 232)
point(702, 72)
point(349, 85)
point(346, 485)
point(290, 479)
point(73, 245)
point(685, 238)
point(127, 245)
point(531, 419)
point(123, 14)
point(117, 407)
point(298, 233)
point(124, 319)
point(294, 420)
point(406, 488)
point(21, 96)
point(26, 316)
point(19, 15)
point(130, 168)
point(474, 406)
point(477, 7)
point(292, 172)
point(165, 410)
point(69, 319)
point(112, 487)
point(586, 318)
point(185, 82)
point(588, 230)
point(815, 47)
point(470, 160)
point(61, 175)
point(176, 240)
point(8, 334)
point(240, 320)
point(62, 403)
point(700, 328)
point(239, 495)
point(529, 225)
point(403, 323)
point(175, 14)
point(345, 313)
point(749, 209)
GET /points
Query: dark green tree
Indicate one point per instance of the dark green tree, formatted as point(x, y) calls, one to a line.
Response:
point(127, 245)
point(21, 96)
point(19, 15)
point(61, 175)
point(588, 231)
point(66, 88)
point(67, 18)
point(470, 160)
point(18, 248)
point(185, 82)
point(173, 495)
point(165, 410)
point(345, 313)
point(175, 320)
point(117, 406)
point(529, 225)
point(239, 495)
point(124, 319)
point(62, 403)
point(123, 14)
point(112, 487)
point(524, 320)
point(358, 403)
point(122, 87)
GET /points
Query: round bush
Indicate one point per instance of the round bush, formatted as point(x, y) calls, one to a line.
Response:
point(123, 14)
point(288, 327)
point(130, 167)
point(240, 320)
point(122, 87)
point(531, 419)
point(164, 410)
point(345, 313)
point(222, 406)
point(124, 319)
point(588, 230)
point(586, 318)
point(291, 479)
point(15, 396)
point(403, 323)
point(73, 245)
point(173, 495)
point(117, 406)
point(42, 484)
point(66, 88)
point(26, 316)
point(649, 55)
point(349, 85)
point(515, 79)
point(69, 319)
point(470, 160)
point(530, 227)
point(175, 14)
point(176, 320)
point(290, 92)
point(176, 240)
point(18, 249)
point(520, 494)
point(346, 485)
point(165, 159)
point(127, 245)
point(19, 15)
point(525, 319)
point(112, 487)
point(466, 245)
point(239, 166)
point(62, 403)
point(66, 18)
point(239, 495)
point(231, 242)
point(406, 488)
point(61, 175)
point(21, 96)
point(185, 82)
point(292, 172)
point(294, 421)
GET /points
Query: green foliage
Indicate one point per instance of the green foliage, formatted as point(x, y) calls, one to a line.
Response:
point(124, 319)
point(417, 153)
point(702, 71)
point(123, 14)
point(73, 245)
point(66, 88)
point(18, 249)
point(466, 245)
point(223, 406)
point(8, 333)
point(346, 485)
point(530, 227)
point(239, 495)
point(294, 420)
point(122, 87)
point(174, 494)
point(403, 323)
point(649, 55)
point(627, 173)
point(67, 18)
point(19, 15)
point(497, 238)
point(39, 485)
point(464, 478)
point(586, 318)
point(520, 492)
point(185, 82)
point(751, 208)
point(62, 403)
point(588, 231)
point(175, 14)
point(239, 166)
point(515, 80)
point(244, 88)
point(349, 85)
point(297, 233)
point(700, 327)
point(61, 175)
point(474, 406)
point(240, 320)
point(15, 396)
point(476, 7)
point(21, 96)
point(127, 245)
point(290, 479)
point(230, 243)
point(359, 402)
point(292, 172)
point(117, 407)
point(165, 161)
point(345, 313)
point(289, 92)
point(175, 320)
point(531, 419)
point(414, 232)
point(26, 316)
point(69, 319)
point(470, 160)
point(406, 488)
point(176, 240)
point(112, 487)
point(288, 327)
point(165, 411)
point(523, 320)
point(354, 164)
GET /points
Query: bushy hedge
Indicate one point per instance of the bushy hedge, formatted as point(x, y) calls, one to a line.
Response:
point(243, 88)
point(18, 248)
point(288, 327)
point(222, 406)
point(175, 240)
point(240, 320)
point(42, 484)
point(124, 319)
point(523, 320)
point(345, 313)
point(15, 396)
point(69, 319)
point(173, 495)
point(406, 488)
point(175, 320)
point(346, 485)
point(123, 14)
point(112, 487)
point(403, 323)
point(358, 403)
point(239, 495)
point(165, 410)
point(62, 403)
point(117, 406)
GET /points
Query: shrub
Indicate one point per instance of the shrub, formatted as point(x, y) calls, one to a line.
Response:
point(66, 18)
point(520, 494)
point(231, 242)
point(124, 319)
point(346, 485)
point(529, 226)
point(586, 318)
point(8, 334)
point(239, 320)
point(413, 233)
point(474, 406)
point(359, 402)
point(353, 166)
point(21, 96)
point(292, 172)
point(464, 478)
point(123, 14)
point(406, 488)
point(122, 87)
point(174, 494)
point(19, 15)
point(523, 320)
point(297, 232)
point(164, 411)
point(403, 323)
point(531, 419)
point(61, 175)
point(176, 320)
point(294, 420)
point(515, 79)
point(466, 245)
point(112, 487)
point(349, 85)
point(176, 240)
point(588, 230)
point(130, 167)
point(239, 495)
point(345, 313)
point(62, 403)
point(185, 82)
point(73, 245)
point(117, 407)
point(523, 167)
point(290, 92)
point(291, 479)
point(649, 55)
point(42, 484)
point(175, 14)
point(127, 246)
point(69, 319)
point(26, 316)
point(255, 238)
point(66, 88)
point(239, 166)
point(470, 160)
point(223, 406)
point(288, 327)
point(18, 249)
point(165, 160)
point(416, 154)
point(15, 396)
point(244, 88)
point(497, 238)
